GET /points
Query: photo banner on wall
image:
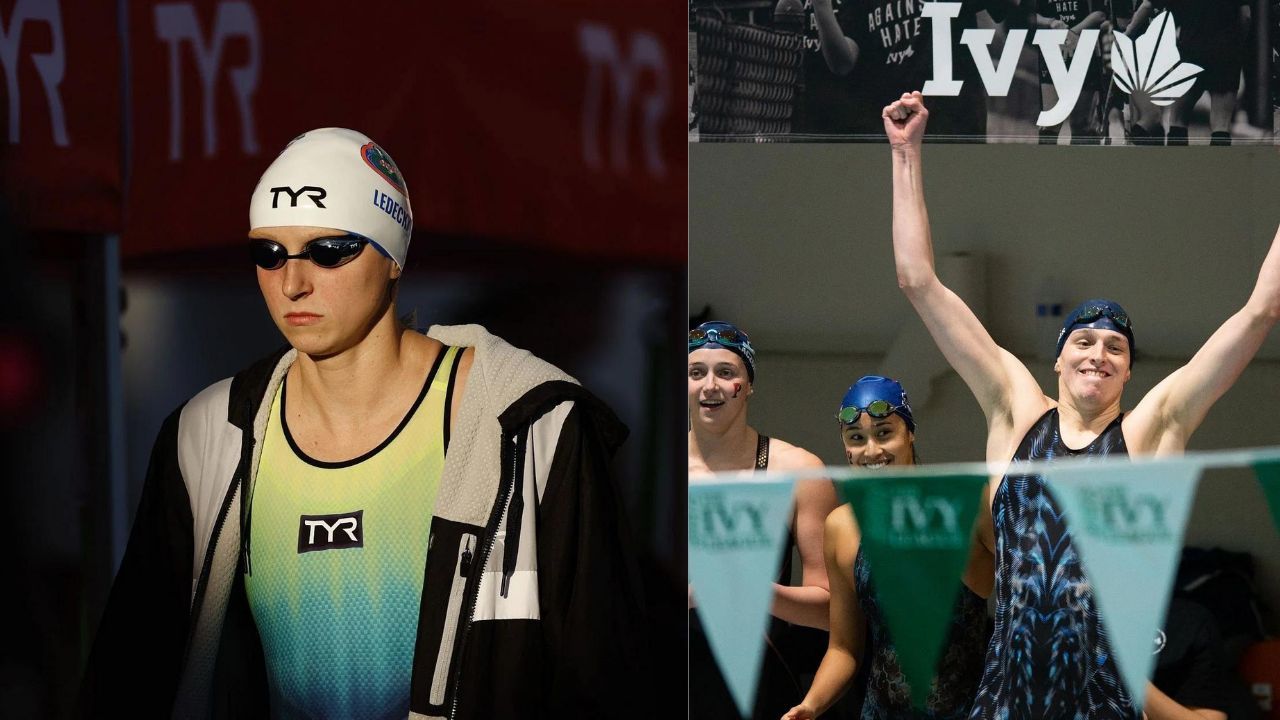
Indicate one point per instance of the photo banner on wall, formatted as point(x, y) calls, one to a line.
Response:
point(1171, 76)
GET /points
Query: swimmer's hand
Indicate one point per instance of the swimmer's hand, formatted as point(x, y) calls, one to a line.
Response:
point(800, 712)
point(904, 120)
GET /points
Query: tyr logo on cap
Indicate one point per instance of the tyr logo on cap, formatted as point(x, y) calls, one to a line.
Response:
point(313, 193)
point(378, 159)
point(331, 532)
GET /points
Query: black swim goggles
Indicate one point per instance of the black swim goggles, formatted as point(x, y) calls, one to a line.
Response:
point(326, 252)
point(1089, 314)
point(728, 338)
point(878, 409)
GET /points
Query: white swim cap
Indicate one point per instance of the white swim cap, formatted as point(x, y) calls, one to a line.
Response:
point(338, 178)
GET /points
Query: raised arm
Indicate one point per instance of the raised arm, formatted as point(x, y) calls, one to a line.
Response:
point(1176, 407)
point(838, 49)
point(995, 377)
point(848, 626)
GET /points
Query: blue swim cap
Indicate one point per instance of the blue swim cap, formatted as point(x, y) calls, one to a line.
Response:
point(1101, 314)
point(871, 388)
point(717, 334)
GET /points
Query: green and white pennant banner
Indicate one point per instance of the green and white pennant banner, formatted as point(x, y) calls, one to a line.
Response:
point(1127, 522)
point(1126, 517)
point(736, 530)
point(916, 535)
point(1268, 473)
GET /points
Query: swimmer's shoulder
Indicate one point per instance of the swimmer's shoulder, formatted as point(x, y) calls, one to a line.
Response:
point(786, 456)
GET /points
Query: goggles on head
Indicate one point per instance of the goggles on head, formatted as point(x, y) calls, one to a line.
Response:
point(726, 337)
point(1090, 314)
point(878, 409)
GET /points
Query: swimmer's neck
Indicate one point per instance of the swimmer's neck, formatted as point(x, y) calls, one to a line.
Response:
point(1082, 420)
point(354, 383)
point(732, 449)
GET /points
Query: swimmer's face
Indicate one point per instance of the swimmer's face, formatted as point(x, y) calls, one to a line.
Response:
point(878, 442)
point(324, 311)
point(716, 376)
point(1094, 365)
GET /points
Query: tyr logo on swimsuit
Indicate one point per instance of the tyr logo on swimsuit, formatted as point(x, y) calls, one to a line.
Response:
point(330, 532)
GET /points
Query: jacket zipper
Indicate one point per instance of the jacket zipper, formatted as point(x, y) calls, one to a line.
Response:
point(466, 556)
point(504, 496)
point(203, 582)
point(207, 564)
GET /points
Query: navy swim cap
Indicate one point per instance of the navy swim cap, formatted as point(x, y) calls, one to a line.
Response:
point(1100, 314)
point(717, 334)
point(871, 388)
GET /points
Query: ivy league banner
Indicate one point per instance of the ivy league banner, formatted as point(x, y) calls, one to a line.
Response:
point(916, 534)
point(1127, 519)
point(1268, 473)
point(1091, 72)
point(1128, 522)
point(736, 531)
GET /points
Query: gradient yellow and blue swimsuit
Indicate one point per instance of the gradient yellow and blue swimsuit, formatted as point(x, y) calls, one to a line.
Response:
point(339, 551)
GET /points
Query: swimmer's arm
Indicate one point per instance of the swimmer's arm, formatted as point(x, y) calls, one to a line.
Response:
point(995, 377)
point(808, 604)
point(979, 574)
point(1162, 707)
point(839, 50)
point(848, 626)
point(1178, 405)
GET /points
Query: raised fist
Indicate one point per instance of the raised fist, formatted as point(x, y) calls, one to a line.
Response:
point(904, 120)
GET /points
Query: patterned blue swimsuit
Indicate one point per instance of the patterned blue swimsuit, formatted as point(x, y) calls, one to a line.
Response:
point(1049, 657)
point(959, 667)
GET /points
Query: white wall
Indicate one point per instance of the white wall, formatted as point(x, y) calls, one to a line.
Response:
point(793, 241)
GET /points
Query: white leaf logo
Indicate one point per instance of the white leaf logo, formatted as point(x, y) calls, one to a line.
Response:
point(1152, 65)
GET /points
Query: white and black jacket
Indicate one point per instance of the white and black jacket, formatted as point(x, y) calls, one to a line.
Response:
point(531, 606)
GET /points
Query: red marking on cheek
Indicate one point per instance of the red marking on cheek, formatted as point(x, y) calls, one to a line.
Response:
point(736, 388)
